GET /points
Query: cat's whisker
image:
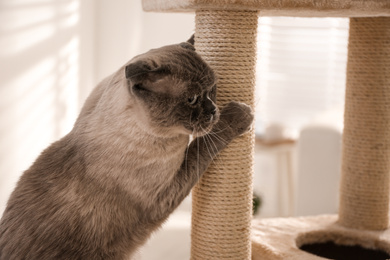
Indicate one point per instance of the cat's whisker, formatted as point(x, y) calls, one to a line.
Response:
point(186, 159)
point(220, 131)
point(197, 139)
point(212, 145)
point(207, 144)
point(211, 141)
point(214, 156)
point(219, 138)
point(210, 136)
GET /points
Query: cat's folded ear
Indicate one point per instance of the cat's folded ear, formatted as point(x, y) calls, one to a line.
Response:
point(189, 44)
point(137, 70)
point(191, 40)
point(142, 77)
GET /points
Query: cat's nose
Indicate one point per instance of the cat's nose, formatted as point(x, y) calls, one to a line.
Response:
point(210, 107)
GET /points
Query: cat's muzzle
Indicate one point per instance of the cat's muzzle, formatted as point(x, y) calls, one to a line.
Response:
point(205, 126)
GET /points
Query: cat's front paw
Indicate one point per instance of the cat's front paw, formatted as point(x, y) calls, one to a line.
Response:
point(238, 117)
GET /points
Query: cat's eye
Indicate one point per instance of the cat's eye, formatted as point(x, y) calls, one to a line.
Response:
point(137, 86)
point(193, 100)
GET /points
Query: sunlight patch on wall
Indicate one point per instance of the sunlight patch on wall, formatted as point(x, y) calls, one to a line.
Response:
point(22, 26)
point(70, 14)
point(39, 57)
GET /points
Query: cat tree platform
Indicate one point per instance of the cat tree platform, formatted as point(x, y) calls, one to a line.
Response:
point(222, 227)
point(282, 238)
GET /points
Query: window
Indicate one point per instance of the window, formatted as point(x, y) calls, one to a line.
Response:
point(301, 70)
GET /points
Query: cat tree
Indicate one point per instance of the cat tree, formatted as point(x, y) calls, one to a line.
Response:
point(225, 36)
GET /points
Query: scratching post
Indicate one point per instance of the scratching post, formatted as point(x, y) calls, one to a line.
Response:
point(222, 200)
point(364, 200)
point(225, 37)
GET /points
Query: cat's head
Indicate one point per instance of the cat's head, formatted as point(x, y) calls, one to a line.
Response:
point(174, 90)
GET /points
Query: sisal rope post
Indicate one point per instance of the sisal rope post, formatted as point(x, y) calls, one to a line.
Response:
point(364, 194)
point(222, 200)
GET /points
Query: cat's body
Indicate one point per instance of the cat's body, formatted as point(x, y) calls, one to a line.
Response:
point(100, 191)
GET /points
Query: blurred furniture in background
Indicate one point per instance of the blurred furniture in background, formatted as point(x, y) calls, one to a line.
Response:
point(274, 177)
point(318, 170)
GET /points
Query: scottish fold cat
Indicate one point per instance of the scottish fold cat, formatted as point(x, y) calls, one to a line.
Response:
point(101, 190)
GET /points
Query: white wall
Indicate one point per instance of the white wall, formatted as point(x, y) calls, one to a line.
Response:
point(125, 31)
point(52, 53)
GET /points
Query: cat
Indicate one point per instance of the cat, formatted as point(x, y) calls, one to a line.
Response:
point(100, 191)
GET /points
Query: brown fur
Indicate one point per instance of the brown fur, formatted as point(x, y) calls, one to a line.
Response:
point(100, 191)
